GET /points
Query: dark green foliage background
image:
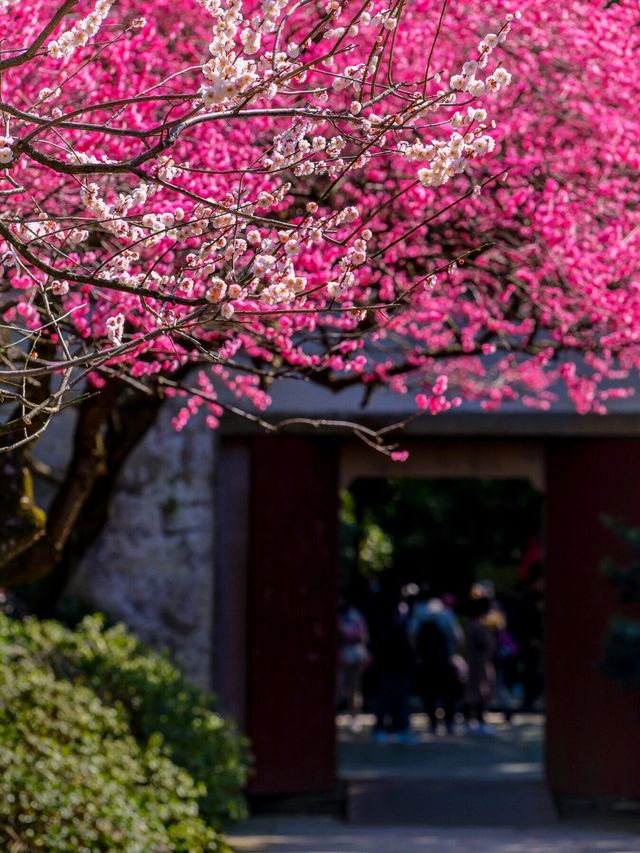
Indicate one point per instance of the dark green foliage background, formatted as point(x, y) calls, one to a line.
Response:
point(448, 532)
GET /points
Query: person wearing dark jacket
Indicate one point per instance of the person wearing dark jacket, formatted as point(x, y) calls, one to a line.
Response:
point(437, 678)
point(393, 656)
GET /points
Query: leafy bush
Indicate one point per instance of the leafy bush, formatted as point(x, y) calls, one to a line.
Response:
point(104, 745)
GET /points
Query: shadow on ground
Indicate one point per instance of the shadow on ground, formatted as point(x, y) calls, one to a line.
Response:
point(512, 751)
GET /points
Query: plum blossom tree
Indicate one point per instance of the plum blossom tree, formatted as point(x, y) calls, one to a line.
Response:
point(208, 195)
point(245, 207)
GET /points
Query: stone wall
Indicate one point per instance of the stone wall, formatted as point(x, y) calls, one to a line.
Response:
point(152, 566)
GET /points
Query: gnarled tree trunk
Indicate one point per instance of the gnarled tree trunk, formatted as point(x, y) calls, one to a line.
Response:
point(110, 424)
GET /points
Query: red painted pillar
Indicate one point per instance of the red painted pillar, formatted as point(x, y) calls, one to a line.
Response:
point(593, 725)
point(292, 592)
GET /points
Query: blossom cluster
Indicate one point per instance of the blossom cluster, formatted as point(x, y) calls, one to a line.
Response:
point(65, 45)
point(336, 193)
point(6, 150)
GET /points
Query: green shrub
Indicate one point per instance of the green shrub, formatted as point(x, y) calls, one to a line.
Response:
point(104, 745)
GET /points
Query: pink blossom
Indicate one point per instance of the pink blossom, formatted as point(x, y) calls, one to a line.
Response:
point(205, 187)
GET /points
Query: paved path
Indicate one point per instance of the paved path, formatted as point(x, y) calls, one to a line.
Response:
point(513, 752)
point(375, 775)
point(449, 780)
point(325, 835)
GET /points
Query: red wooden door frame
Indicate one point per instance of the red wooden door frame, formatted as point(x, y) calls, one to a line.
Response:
point(292, 592)
point(593, 732)
point(593, 729)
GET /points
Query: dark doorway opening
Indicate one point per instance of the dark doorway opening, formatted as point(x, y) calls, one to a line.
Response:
point(445, 576)
point(279, 601)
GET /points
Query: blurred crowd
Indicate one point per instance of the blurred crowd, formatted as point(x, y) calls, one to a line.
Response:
point(455, 658)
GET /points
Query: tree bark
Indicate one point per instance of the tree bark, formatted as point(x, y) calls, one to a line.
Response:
point(128, 423)
point(87, 462)
point(21, 521)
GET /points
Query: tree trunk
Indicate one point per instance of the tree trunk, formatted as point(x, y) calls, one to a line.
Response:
point(21, 522)
point(47, 548)
point(128, 423)
point(87, 462)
